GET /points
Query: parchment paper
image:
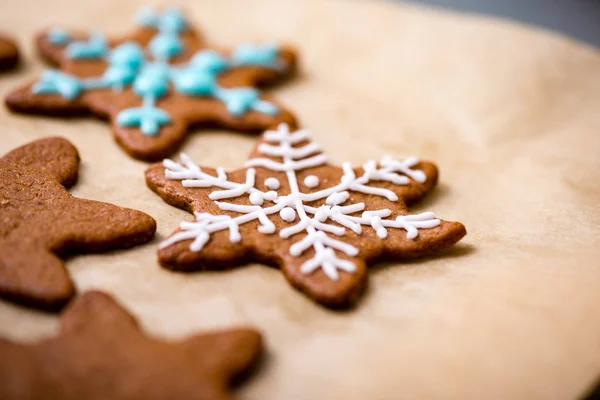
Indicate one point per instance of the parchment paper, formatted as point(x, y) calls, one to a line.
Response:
point(511, 116)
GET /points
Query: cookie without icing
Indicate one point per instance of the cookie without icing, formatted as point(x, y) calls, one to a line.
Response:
point(9, 53)
point(40, 221)
point(157, 83)
point(100, 353)
point(321, 224)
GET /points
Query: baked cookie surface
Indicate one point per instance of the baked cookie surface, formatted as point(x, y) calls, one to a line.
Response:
point(40, 221)
point(101, 353)
point(320, 223)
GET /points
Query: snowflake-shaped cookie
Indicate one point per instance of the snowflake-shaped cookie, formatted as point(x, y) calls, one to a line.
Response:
point(157, 83)
point(321, 224)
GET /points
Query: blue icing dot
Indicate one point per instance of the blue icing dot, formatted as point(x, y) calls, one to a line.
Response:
point(209, 60)
point(165, 45)
point(194, 82)
point(153, 80)
point(56, 82)
point(238, 101)
point(171, 21)
point(58, 36)
point(149, 119)
point(95, 47)
point(247, 54)
point(265, 107)
point(128, 54)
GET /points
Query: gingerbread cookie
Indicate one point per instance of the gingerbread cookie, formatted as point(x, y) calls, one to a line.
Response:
point(101, 353)
point(157, 83)
point(40, 220)
point(9, 53)
point(321, 224)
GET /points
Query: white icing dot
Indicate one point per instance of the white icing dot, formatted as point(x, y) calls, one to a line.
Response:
point(272, 183)
point(311, 181)
point(287, 214)
point(256, 199)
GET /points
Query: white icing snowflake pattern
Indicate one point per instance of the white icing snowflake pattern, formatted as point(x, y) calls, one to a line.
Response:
point(321, 235)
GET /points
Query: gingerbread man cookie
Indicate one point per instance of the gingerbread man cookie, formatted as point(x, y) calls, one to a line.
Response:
point(9, 53)
point(40, 220)
point(321, 224)
point(100, 353)
point(157, 83)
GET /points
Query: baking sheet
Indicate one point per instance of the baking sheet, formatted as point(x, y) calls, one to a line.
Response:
point(509, 114)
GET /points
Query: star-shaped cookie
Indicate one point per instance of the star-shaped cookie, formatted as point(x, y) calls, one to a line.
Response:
point(100, 353)
point(40, 221)
point(320, 223)
point(157, 83)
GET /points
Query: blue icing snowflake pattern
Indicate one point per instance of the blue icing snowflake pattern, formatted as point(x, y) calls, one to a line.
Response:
point(151, 79)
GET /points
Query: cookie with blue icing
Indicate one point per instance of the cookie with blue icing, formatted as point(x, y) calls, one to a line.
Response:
point(157, 83)
point(9, 53)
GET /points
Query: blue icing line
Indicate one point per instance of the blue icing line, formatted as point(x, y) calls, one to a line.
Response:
point(247, 54)
point(209, 60)
point(118, 77)
point(128, 54)
point(56, 82)
point(172, 21)
point(194, 82)
point(153, 80)
point(94, 47)
point(148, 117)
point(265, 107)
point(165, 45)
point(58, 36)
point(99, 83)
point(239, 100)
point(124, 63)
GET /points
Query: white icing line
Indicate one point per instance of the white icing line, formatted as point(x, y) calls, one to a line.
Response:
point(311, 220)
point(294, 153)
point(289, 164)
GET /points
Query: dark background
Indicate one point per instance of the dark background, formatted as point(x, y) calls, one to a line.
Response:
point(579, 19)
